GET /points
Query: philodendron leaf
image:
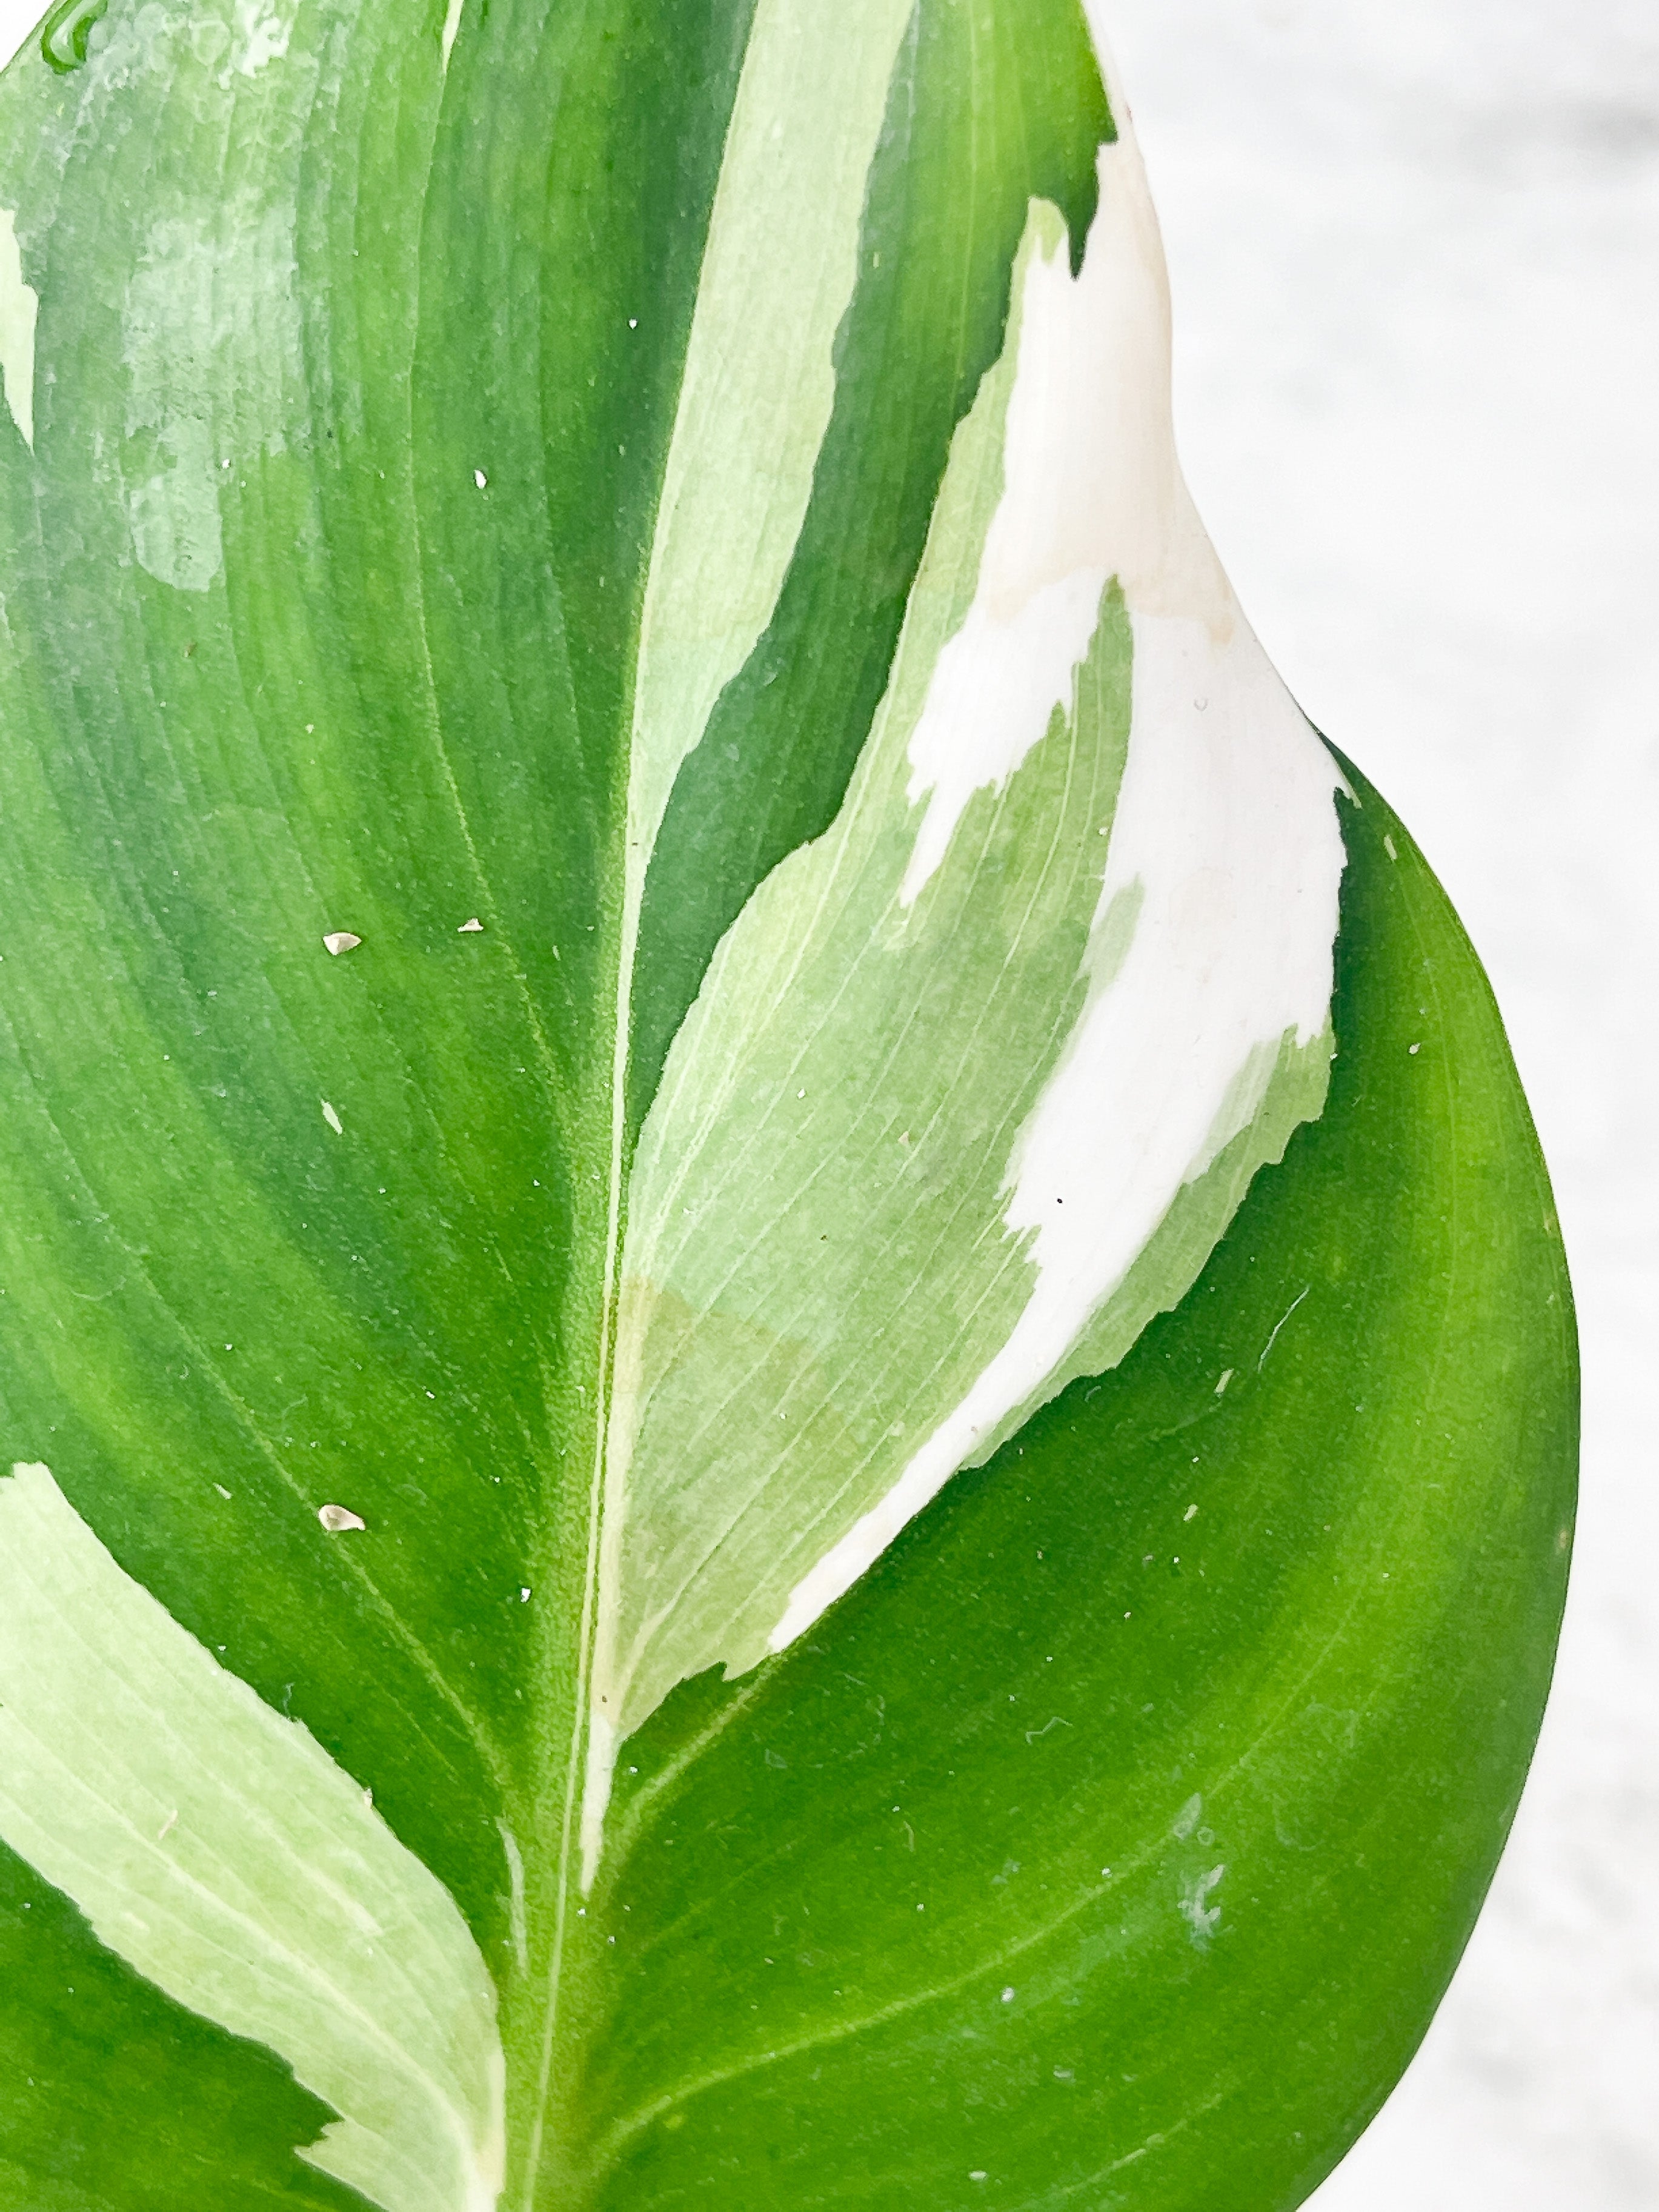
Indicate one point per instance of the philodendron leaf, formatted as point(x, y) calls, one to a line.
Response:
point(789, 1390)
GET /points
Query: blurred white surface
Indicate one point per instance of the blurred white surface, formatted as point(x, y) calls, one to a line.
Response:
point(1414, 247)
point(1415, 251)
point(16, 21)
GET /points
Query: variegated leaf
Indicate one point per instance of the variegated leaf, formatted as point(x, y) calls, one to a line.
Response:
point(790, 1395)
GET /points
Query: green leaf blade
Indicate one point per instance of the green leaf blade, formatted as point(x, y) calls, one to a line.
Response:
point(465, 483)
point(1325, 1681)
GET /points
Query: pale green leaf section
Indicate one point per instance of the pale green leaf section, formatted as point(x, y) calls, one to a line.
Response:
point(19, 309)
point(210, 339)
point(210, 311)
point(778, 273)
point(823, 1272)
point(218, 1849)
point(816, 1267)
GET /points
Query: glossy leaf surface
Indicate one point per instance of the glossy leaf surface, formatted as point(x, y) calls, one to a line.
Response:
point(790, 1390)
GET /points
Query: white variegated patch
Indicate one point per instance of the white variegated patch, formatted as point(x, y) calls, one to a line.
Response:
point(1224, 845)
point(760, 1429)
point(764, 1438)
point(20, 308)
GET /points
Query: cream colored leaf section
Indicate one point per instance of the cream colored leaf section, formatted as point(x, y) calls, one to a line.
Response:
point(217, 1848)
point(778, 273)
point(20, 308)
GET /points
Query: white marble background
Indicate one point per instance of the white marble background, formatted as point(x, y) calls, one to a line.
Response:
point(1415, 250)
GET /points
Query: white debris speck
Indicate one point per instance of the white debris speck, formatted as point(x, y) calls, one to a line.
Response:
point(341, 940)
point(977, 2175)
point(632, 322)
point(1188, 1514)
point(333, 1120)
point(480, 478)
point(335, 1518)
point(1007, 1997)
point(167, 1827)
point(1413, 1047)
point(222, 1491)
point(1200, 1918)
point(524, 1594)
point(1388, 846)
point(1226, 1377)
point(475, 925)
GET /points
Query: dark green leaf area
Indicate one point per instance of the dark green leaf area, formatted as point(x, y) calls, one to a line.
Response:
point(1112, 1842)
point(283, 1230)
point(991, 106)
point(114, 2099)
point(220, 1311)
point(553, 370)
